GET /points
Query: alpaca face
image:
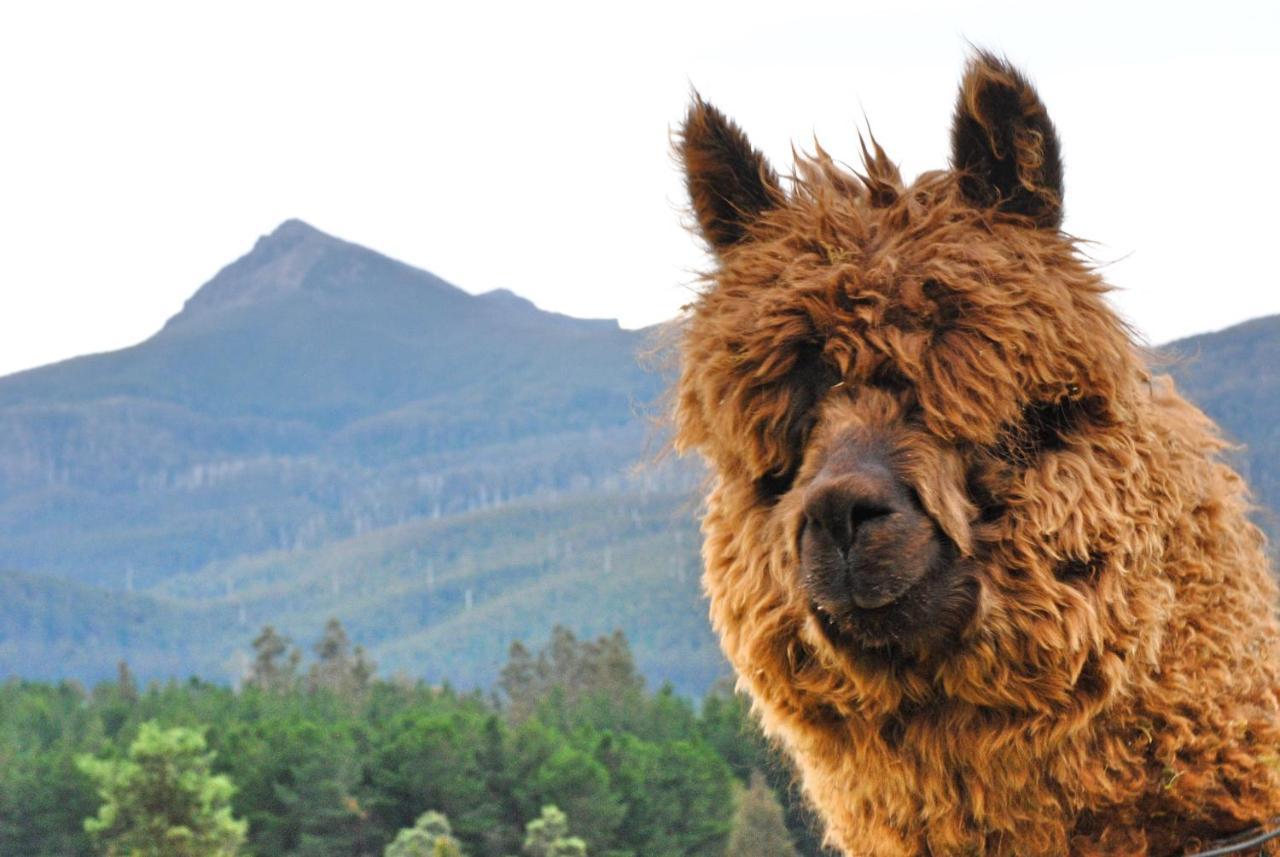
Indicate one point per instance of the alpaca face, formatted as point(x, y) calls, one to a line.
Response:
point(882, 375)
point(878, 569)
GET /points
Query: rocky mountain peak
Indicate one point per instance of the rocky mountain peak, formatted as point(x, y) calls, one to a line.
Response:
point(277, 265)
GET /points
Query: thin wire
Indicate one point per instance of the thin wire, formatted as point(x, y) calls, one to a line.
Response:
point(1238, 846)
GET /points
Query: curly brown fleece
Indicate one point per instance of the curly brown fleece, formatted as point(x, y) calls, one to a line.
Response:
point(1109, 678)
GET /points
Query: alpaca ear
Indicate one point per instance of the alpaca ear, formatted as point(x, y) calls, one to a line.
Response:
point(1003, 144)
point(729, 181)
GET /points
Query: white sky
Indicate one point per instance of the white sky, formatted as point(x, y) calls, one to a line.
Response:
point(144, 146)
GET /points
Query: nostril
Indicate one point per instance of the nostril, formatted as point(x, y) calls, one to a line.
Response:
point(838, 516)
point(861, 513)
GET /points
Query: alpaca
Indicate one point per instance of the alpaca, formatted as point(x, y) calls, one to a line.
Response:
point(985, 578)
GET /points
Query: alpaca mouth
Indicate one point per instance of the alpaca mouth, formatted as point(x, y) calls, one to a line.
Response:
point(878, 570)
point(926, 610)
point(881, 590)
point(884, 627)
point(837, 631)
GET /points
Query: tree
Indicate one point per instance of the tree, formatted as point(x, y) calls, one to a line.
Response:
point(726, 723)
point(571, 778)
point(503, 832)
point(275, 665)
point(322, 801)
point(611, 667)
point(560, 663)
point(126, 684)
point(678, 797)
point(363, 670)
point(759, 829)
point(567, 671)
point(318, 777)
point(338, 667)
point(429, 758)
point(548, 836)
point(430, 836)
point(162, 801)
point(333, 659)
point(519, 682)
point(44, 799)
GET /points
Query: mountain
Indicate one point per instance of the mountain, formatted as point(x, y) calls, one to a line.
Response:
point(445, 598)
point(312, 390)
point(54, 629)
point(1234, 375)
point(325, 431)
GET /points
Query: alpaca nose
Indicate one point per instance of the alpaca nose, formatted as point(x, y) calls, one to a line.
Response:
point(840, 508)
point(866, 540)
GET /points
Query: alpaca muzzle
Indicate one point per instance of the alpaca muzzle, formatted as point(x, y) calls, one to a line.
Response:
point(866, 544)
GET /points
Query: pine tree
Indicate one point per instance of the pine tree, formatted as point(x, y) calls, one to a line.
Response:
point(331, 820)
point(126, 685)
point(338, 668)
point(333, 658)
point(548, 836)
point(559, 664)
point(566, 670)
point(519, 682)
point(759, 829)
point(503, 833)
point(430, 836)
point(613, 668)
point(275, 665)
point(363, 670)
point(162, 801)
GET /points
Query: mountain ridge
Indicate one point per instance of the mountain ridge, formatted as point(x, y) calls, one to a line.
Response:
point(358, 393)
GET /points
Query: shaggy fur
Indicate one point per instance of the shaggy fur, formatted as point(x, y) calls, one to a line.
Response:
point(1101, 673)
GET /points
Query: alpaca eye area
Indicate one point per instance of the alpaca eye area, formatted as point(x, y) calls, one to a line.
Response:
point(1050, 426)
point(772, 486)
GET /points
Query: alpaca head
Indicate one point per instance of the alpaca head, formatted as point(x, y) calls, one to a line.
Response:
point(923, 420)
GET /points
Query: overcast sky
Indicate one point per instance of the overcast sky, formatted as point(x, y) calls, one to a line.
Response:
point(526, 146)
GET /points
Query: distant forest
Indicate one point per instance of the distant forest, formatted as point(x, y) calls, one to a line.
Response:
point(569, 755)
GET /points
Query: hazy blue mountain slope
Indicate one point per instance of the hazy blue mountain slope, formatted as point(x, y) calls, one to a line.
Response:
point(444, 598)
point(312, 390)
point(53, 629)
point(1234, 375)
point(439, 598)
point(312, 328)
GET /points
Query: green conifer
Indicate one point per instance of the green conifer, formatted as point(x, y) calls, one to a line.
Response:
point(162, 801)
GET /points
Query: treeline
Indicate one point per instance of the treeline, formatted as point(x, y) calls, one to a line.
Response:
point(326, 759)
